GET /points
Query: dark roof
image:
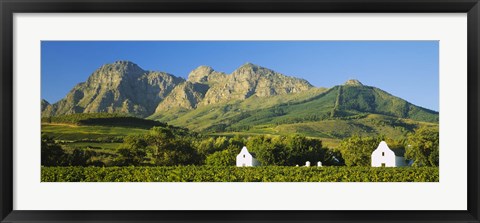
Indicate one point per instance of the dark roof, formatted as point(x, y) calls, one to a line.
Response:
point(399, 152)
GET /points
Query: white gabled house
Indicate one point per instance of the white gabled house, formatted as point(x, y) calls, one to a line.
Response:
point(385, 157)
point(244, 158)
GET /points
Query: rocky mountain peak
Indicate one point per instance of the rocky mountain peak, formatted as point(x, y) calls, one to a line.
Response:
point(200, 74)
point(353, 82)
point(124, 87)
point(248, 67)
point(248, 64)
point(124, 63)
point(114, 73)
point(252, 72)
point(119, 87)
point(122, 67)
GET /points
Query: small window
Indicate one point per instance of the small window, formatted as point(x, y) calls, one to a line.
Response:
point(243, 155)
point(383, 153)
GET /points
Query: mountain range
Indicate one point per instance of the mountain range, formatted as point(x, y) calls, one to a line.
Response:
point(250, 97)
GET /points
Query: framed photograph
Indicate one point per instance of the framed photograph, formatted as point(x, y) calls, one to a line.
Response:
point(239, 111)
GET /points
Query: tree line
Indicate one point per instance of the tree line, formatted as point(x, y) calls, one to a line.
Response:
point(420, 147)
point(166, 147)
point(163, 146)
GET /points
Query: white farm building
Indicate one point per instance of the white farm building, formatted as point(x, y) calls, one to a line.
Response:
point(244, 158)
point(385, 157)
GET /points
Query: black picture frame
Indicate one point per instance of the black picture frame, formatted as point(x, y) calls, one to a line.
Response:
point(9, 7)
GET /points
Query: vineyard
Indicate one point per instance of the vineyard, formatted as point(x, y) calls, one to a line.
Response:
point(235, 174)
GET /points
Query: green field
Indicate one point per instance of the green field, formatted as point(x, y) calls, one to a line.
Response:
point(371, 125)
point(99, 147)
point(95, 145)
point(69, 132)
point(236, 174)
point(331, 132)
point(104, 140)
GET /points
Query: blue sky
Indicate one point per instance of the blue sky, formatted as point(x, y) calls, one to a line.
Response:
point(407, 69)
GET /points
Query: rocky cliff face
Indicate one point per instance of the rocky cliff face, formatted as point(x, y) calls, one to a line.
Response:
point(120, 87)
point(124, 87)
point(44, 104)
point(206, 86)
point(189, 94)
point(185, 96)
point(252, 80)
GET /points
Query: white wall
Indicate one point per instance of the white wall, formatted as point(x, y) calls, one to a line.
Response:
point(383, 155)
point(244, 158)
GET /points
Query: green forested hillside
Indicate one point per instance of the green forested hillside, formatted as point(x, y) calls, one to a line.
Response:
point(339, 112)
point(366, 99)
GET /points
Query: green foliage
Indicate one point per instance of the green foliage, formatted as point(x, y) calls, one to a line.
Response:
point(357, 150)
point(225, 157)
point(209, 145)
point(237, 141)
point(169, 149)
point(52, 153)
point(80, 157)
point(268, 150)
point(301, 149)
point(132, 152)
point(373, 100)
point(364, 99)
point(423, 147)
point(333, 158)
point(286, 150)
point(239, 174)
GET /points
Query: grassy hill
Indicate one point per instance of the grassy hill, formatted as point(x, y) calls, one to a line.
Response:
point(106, 120)
point(208, 118)
point(68, 132)
point(367, 99)
point(336, 113)
point(101, 131)
point(332, 131)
